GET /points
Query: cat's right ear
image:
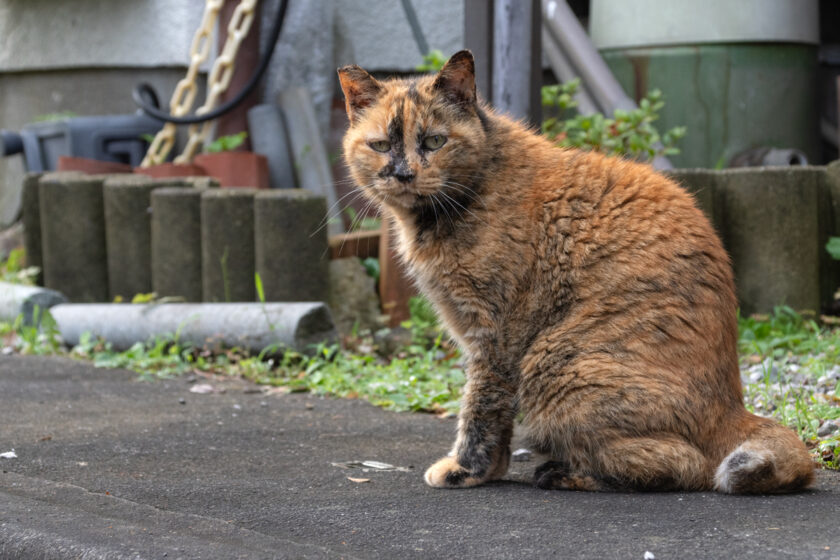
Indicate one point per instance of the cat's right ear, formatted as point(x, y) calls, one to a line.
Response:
point(360, 89)
point(456, 80)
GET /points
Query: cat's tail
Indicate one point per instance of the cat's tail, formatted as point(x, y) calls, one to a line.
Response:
point(770, 459)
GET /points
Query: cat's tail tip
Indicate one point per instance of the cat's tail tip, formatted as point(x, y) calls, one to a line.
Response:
point(772, 460)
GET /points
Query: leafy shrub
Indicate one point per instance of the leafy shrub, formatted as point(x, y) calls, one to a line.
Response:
point(627, 133)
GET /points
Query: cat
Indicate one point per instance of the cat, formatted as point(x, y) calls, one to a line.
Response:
point(588, 294)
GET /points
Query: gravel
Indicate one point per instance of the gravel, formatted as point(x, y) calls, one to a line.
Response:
point(799, 390)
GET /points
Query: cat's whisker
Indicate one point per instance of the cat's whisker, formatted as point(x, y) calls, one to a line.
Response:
point(336, 203)
point(460, 205)
point(356, 220)
point(468, 192)
point(434, 209)
point(325, 222)
point(460, 189)
point(443, 207)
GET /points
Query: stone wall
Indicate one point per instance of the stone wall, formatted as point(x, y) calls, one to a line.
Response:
point(774, 223)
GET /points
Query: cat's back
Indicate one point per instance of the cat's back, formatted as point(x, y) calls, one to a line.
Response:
point(602, 206)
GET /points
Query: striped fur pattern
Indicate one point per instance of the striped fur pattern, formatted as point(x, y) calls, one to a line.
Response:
point(587, 293)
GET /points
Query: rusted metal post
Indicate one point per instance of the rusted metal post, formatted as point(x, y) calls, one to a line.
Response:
point(247, 59)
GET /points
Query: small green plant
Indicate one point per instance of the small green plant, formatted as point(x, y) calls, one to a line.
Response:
point(433, 61)
point(150, 297)
point(259, 287)
point(372, 267)
point(226, 143)
point(626, 133)
point(416, 379)
point(13, 270)
point(160, 357)
point(423, 322)
point(781, 332)
point(358, 223)
point(39, 336)
point(258, 284)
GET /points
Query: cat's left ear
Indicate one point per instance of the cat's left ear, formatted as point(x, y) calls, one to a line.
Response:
point(456, 80)
point(360, 89)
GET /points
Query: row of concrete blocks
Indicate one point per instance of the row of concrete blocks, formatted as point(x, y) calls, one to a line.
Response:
point(775, 223)
point(101, 237)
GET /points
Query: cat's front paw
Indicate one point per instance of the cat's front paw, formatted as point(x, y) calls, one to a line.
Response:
point(447, 473)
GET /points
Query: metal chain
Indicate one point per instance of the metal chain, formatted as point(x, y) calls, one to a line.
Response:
point(220, 75)
point(217, 82)
point(184, 95)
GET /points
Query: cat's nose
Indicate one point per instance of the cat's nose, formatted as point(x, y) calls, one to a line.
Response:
point(404, 176)
point(403, 172)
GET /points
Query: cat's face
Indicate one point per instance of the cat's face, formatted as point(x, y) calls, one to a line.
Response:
point(414, 143)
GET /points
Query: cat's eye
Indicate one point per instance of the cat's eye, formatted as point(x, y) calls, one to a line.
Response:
point(381, 146)
point(434, 142)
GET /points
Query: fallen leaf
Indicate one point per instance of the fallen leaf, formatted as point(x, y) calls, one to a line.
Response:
point(202, 388)
point(374, 465)
point(8, 455)
point(359, 480)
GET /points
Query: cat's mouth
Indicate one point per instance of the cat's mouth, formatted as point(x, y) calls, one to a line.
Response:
point(403, 198)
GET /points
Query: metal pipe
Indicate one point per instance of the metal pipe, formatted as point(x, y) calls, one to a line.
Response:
point(564, 72)
point(569, 34)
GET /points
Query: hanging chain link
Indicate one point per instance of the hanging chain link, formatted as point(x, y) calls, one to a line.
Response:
point(220, 75)
point(217, 83)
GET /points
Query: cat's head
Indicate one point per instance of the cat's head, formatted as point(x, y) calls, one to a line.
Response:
point(415, 142)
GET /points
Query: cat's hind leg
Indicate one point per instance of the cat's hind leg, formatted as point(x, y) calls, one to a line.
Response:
point(665, 462)
point(630, 464)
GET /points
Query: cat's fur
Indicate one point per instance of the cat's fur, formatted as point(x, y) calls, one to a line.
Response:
point(587, 292)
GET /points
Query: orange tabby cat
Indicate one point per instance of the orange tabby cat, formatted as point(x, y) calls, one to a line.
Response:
point(587, 292)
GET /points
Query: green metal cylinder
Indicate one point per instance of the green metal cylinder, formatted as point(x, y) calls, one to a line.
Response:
point(731, 97)
point(738, 75)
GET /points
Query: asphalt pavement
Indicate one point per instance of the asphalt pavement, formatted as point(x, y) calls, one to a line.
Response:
point(109, 466)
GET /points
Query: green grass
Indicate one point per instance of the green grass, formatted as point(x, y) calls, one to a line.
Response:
point(785, 331)
point(416, 379)
point(423, 376)
point(795, 347)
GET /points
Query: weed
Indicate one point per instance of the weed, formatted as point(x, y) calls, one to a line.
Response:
point(13, 269)
point(39, 337)
point(627, 133)
point(433, 61)
point(372, 267)
point(785, 331)
point(226, 143)
point(368, 223)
